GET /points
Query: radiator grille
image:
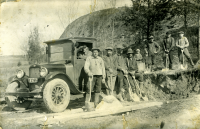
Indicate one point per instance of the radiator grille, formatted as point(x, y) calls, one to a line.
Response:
point(34, 72)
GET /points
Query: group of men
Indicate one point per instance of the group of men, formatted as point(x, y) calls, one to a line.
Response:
point(124, 69)
point(109, 68)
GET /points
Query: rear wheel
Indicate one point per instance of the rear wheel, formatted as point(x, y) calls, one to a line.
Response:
point(17, 103)
point(56, 95)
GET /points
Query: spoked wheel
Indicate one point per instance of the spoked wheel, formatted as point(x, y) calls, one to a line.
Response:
point(56, 95)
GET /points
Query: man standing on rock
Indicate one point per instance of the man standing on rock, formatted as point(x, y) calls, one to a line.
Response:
point(94, 67)
point(132, 68)
point(182, 44)
point(168, 47)
point(111, 69)
point(151, 48)
point(121, 69)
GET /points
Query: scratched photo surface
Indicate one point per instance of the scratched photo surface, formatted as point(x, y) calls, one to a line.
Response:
point(100, 64)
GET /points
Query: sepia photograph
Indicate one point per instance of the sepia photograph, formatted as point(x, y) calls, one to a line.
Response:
point(100, 64)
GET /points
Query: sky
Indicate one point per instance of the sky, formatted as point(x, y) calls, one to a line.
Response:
point(50, 16)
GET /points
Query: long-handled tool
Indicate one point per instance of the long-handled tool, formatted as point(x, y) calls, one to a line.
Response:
point(111, 84)
point(89, 105)
point(133, 96)
point(145, 98)
point(182, 65)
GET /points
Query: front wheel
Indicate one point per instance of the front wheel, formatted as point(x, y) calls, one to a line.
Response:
point(56, 95)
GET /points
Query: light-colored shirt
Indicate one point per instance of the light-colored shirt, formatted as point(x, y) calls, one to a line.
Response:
point(182, 42)
point(95, 66)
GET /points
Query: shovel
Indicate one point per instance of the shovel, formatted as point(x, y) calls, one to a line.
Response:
point(145, 98)
point(183, 67)
point(90, 105)
point(133, 96)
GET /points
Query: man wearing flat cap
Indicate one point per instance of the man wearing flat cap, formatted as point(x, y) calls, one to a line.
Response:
point(111, 69)
point(182, 44)
point(151, 48)
point(168, 47)
point(94, 67)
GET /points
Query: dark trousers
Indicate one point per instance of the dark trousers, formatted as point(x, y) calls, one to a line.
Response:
point(169, 62)
point(150, 60)
point(83, 80)
point(120, 77)
point(96, 84)
point(138, 76)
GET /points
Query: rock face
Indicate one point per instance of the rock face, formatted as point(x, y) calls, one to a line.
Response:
point(103, 25)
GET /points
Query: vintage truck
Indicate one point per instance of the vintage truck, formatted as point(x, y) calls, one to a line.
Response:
point(52, 82)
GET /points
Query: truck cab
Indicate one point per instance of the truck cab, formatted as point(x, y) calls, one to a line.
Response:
point(53, 82)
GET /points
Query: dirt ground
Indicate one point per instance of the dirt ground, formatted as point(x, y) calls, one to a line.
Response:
point(173, 114)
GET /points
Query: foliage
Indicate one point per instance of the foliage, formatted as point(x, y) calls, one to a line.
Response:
point(35, 51)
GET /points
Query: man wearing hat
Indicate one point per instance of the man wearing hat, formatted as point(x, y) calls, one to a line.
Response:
point(182, 44)
point(168, 47)
point(111, 69)
point(132, 70)
point(94, 67)
point(151, 48)
point(121, 69)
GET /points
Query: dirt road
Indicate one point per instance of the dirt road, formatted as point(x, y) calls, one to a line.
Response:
point(174, 114)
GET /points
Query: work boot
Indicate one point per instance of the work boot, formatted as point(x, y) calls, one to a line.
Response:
point(119, 96)
point(96, 99)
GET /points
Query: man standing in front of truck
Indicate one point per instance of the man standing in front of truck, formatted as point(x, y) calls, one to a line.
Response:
point(94, 67)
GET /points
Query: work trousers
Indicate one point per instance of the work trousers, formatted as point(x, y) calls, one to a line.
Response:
point(110, 80)
point(120, 78)
point(169, 60)
point(186, 53)
point(138, 76)
point(83, 80)
point(96, 84)
point(150, 60)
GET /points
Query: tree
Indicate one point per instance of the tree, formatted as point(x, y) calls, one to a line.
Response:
point(35, 51)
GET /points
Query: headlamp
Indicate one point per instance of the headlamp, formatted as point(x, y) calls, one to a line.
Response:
point(43, 72)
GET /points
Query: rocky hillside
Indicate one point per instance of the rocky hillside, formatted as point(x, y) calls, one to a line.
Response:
point(100, 25)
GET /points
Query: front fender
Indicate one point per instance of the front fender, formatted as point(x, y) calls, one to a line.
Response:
point(22, 82)
point(72, 86)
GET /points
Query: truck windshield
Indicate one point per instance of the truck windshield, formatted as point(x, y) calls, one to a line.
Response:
point(60, 52)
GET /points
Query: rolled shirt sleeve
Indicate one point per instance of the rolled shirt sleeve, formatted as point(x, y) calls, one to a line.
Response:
point(186, 42)
point(87, 65)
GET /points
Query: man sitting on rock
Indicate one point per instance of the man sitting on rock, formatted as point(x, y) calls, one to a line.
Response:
point(132, 71)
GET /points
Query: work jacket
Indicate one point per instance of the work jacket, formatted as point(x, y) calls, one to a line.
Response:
point(110, 63)
point(152, 47)
point(168, 43)
point(120, 62)
point(95, 66)
point(131, 65)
